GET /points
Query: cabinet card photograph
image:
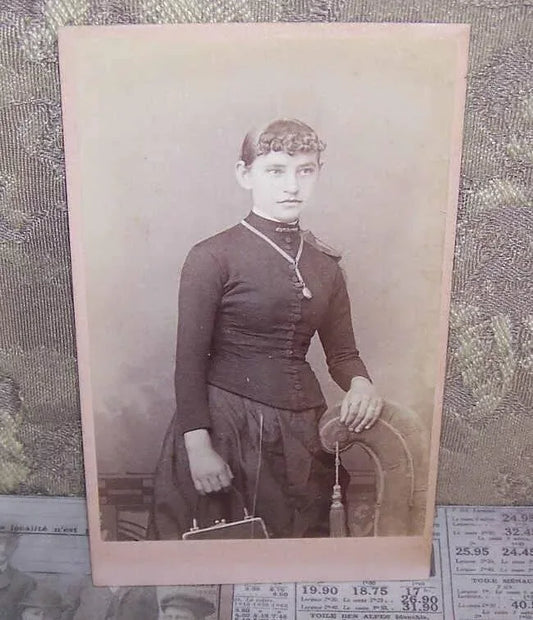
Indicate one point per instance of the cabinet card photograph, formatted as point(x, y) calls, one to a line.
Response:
point(262, 224)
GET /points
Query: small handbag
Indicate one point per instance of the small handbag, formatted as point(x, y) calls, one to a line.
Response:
point(247, 528)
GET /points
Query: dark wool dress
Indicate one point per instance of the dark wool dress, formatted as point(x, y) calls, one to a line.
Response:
point(244, 330)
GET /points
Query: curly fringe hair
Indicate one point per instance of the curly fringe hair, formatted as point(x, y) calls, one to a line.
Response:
point(286, 135)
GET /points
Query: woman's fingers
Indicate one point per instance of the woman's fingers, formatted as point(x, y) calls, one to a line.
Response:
point(351, 406)
point(225, 477)
point(345, 410)
point(206, 484)
point(368, 414)
point(212, 483)
point(209, 472)
point(367, 418)
point(361, 410)
point(365, 414)
point(198, 485)
point(215, 483)
point(374, 413)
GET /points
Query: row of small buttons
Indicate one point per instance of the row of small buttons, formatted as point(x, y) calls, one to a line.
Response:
point(290, 245)
point(296, 309)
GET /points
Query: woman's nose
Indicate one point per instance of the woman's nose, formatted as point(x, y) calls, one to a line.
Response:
point(291, 183)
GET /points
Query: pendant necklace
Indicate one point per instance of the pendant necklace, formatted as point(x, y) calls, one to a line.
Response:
point(306, 292)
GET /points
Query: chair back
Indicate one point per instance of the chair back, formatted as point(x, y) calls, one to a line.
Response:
point(399, 448)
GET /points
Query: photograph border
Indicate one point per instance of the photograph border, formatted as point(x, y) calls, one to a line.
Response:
point(242, 561)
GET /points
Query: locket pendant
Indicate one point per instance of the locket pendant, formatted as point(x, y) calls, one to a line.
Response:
point(307, 293)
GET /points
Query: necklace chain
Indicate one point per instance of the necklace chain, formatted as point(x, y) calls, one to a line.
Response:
point(287, 257)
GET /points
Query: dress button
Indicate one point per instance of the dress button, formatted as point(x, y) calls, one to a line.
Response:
point(298, 386)
point(288, 239)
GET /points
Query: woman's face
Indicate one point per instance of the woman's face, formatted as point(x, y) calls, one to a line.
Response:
point(281, 184)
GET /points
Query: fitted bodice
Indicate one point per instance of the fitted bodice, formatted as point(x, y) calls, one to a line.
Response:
point(245, 325)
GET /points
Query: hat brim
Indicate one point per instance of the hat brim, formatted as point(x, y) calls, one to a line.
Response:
point(199, 606)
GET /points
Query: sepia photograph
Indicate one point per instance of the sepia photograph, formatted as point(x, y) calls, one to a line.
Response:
point(262, 226)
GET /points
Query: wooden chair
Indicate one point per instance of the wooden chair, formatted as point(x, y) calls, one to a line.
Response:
point(398, 446)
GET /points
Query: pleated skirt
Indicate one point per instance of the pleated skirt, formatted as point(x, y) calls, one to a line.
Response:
point(280, 471)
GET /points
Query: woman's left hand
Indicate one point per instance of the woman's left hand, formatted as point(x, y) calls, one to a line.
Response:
point(361, 406)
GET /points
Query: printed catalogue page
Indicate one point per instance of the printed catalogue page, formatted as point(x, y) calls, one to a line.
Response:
point(482, 568)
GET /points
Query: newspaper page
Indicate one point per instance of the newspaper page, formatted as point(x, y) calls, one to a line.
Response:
point(399, 600)
point(490, 561)
point(482, 569)
point(44, 551)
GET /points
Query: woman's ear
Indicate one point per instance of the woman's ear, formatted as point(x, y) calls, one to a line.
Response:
point(242, 173)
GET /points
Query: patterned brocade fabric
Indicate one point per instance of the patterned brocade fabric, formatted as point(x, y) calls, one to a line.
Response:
point(487, 438)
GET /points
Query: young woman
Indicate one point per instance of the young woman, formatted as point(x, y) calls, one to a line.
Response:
point(248, 403)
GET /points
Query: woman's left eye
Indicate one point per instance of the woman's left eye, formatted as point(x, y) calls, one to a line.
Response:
point(306, 171)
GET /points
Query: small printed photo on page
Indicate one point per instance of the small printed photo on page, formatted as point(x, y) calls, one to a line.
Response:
point(262, 226)
point(45, 572)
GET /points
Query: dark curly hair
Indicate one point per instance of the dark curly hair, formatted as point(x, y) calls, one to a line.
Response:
point(287, 135)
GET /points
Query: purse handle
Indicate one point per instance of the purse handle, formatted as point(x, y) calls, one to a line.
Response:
point(233, 488)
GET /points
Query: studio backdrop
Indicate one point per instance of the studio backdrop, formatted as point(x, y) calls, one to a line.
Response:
point(160, 128)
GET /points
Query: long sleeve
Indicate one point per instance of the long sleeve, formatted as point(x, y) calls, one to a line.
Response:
point(337, 337)
point(201, 288)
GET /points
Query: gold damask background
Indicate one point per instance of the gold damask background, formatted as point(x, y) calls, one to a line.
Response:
point(487, 440)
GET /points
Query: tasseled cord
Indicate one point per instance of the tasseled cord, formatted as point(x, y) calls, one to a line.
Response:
point(337, 514)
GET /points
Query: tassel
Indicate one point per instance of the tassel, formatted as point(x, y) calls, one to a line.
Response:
point(337, 514)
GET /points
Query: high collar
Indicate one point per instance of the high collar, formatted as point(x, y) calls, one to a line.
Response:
point(270, 227)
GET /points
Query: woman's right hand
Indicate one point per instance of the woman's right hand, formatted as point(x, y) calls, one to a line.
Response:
point(209, 471)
